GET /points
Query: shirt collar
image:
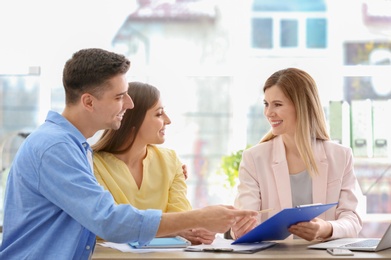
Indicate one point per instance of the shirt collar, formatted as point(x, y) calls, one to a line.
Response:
point(60, 120)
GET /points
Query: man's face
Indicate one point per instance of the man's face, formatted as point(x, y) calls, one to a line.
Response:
point(109, 109)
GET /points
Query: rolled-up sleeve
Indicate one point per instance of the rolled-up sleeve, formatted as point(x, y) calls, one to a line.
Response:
point(149, 226)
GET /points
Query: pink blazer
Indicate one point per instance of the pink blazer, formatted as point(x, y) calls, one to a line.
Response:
point(264, 183)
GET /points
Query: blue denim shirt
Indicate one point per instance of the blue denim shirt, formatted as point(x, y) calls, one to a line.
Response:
point(54, 207)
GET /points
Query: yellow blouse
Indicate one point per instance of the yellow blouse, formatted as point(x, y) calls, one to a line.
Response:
point(163, 186)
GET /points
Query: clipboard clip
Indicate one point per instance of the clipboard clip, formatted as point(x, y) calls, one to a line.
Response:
point(308, 205)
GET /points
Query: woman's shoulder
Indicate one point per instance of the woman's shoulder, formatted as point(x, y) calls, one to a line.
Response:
point(162, 151)
point(104, 156)
point(262, 146)
point(260, 151)
point(333, 149)
point(334, 145)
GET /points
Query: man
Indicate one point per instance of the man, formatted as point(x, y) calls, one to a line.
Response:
point(54, 207)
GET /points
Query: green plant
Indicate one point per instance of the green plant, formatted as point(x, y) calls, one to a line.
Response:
point(229, 166)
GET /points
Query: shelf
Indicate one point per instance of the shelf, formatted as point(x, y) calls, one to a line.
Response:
point(364, 161)
point(377, 218)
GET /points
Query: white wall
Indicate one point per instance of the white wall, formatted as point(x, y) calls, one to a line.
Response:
point(45, 33)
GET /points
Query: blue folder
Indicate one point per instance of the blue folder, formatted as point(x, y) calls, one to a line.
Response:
point(276, 227)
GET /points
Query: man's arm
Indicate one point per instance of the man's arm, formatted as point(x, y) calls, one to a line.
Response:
point(218, 218)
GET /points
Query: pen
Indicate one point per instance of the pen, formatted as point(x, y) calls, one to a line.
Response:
point(264, 211)
point(208, 249)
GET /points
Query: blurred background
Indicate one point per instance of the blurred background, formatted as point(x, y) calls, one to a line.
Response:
point(210, 59)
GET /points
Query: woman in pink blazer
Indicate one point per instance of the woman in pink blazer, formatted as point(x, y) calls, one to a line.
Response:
point(296, 163)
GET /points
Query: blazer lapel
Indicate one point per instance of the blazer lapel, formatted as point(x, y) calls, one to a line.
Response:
point(281, 173)
point(319, 182)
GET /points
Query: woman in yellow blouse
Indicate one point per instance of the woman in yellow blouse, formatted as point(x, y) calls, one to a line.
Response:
point(128, 163)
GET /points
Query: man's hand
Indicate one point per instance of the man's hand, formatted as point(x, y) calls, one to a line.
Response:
point(216, 219)
point(220, 218)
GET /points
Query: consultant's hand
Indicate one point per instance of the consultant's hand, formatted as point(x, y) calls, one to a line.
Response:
point(316, 229)
point(199, 236)
point(243, 226)
point(220, 218)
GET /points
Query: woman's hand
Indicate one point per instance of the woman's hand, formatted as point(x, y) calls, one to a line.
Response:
point(184, 168)
point(316, 229)
point(243, 226)
point(198, 236)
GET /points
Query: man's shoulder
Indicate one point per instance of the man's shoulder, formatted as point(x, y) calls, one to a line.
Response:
point(50, 133)
point(52, 137)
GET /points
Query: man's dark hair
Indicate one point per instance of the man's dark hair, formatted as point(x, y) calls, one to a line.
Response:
point(88, 70)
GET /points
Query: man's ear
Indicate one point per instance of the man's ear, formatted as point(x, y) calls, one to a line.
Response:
point(87, 101)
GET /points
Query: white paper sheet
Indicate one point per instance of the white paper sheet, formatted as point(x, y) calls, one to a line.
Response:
point(127, 248)
point(225, 245)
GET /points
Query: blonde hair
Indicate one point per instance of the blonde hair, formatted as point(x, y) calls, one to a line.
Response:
point(301, 89)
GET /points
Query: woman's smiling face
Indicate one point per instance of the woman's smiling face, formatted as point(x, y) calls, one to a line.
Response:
point(279, 111)
point(152, 130)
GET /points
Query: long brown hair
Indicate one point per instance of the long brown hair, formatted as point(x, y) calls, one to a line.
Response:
point(144, 97)
point(299, 87)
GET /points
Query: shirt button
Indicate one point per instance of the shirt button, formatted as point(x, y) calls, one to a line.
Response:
point(88, 247)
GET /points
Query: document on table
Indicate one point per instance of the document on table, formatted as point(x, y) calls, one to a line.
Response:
point(127, 248)
point(222, 245)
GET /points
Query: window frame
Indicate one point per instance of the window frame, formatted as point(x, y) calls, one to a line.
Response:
point(277, 49)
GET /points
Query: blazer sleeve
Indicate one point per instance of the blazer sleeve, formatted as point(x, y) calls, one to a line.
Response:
point(248, 196)
point(347, 221)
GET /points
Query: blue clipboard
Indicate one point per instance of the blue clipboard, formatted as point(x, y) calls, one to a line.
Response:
point(276, 227)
